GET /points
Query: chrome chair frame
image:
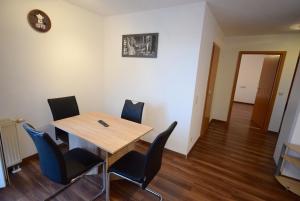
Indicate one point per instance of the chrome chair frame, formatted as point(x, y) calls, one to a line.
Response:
point(73, 181)
point(137, 183)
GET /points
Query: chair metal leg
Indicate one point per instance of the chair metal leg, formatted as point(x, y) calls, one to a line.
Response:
point(63, 188)
point(140, 185)
point(73, 181)
point(154, 193)
point(103, 183)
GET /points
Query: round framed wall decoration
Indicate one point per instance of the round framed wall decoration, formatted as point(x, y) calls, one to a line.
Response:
point(39, 20)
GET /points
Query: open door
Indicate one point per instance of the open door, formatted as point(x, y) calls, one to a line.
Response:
point(264, 92)
point(210, 87)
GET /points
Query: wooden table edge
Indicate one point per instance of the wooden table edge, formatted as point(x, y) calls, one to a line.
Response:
point(111, 153)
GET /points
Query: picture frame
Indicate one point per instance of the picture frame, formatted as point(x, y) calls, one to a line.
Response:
point(140, 45)
point(39, 21)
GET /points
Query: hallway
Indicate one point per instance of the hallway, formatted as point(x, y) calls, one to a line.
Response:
point(241, 115)
point(239, 160)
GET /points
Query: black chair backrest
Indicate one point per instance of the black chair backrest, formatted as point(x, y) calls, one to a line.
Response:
point(133, 111)
point(51, 159)
point(154, 155)
point(63, 108)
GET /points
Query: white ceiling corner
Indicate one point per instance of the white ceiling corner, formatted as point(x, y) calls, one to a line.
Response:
point(236, 17)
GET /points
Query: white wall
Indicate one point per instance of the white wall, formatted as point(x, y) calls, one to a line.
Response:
point(2, 172)
point(166, 84)
point(35, 66)
point(228, 60)
point(290, 131)
point(211, 33)
point(296, 136)
point(248, 78)
point(70, 60)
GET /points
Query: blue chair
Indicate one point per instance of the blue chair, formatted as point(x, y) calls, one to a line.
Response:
point(140, 169)
point(63, 108)
point(133, 111)
point(61, 168)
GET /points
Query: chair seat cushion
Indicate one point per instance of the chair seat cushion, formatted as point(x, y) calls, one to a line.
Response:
point(78, 161)
point(131, 165)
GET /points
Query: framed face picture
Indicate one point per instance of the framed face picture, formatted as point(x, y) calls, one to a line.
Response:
point(140, 45)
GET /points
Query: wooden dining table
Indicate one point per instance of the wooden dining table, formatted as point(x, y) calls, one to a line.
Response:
point(113, 141)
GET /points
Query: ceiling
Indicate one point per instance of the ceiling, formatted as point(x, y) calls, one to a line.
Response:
point(236, 17)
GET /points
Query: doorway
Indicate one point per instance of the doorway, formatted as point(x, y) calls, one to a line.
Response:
point(210, 88)
point(255, 86)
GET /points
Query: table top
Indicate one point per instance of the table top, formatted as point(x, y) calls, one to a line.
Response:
point(119, 134)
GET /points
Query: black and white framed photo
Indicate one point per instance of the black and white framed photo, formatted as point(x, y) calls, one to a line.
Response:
point(140, 45)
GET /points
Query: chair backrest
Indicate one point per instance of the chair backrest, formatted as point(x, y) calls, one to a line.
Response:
point(133, 111)
point(63, 108)
point(51, 159)
point(154, 155)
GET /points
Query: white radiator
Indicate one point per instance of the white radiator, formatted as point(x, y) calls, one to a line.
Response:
point(10, 142)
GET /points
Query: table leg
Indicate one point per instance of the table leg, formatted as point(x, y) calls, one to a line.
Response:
point(109, 160)
point(107, 182)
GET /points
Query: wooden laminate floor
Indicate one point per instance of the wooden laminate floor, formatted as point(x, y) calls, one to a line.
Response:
point(226, 164)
